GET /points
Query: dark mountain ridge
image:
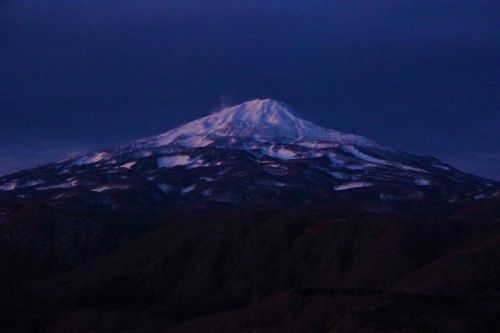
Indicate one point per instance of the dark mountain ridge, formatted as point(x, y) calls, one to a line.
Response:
point(222, 271)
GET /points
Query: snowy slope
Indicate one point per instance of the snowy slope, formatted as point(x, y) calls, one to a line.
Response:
point(262, 120)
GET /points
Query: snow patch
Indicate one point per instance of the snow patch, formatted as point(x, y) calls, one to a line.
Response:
point(441, 166)
point(409, 168)
point(224, 171)
point(128, 165)
point(267, 182)
point(92, 158)
point(352, 185)
point(357, 166)
point(9, 186)
point(143, 153)
point(198, 162)
point(356, 153)
point(339, 175)
point(335, 160)
point(280, 153)
point(422, 182)
point(110, 187)
point(371, 159)
point(188, 189)
point(35, 182)
point(208, 179)
point(68, 184)
point(317, 144)
point(60, 196)
point(166, 188)
point(172, 161)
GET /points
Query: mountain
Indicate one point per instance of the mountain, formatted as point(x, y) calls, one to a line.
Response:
point(250, 271)
point(249, 219)
point(257, 153)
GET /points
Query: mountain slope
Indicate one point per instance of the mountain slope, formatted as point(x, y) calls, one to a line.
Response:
point(259, 152)
point(225, 272)
point(259, 120)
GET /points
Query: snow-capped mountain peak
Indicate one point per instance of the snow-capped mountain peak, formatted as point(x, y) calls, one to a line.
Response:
point(258, 152)
point(258, 120)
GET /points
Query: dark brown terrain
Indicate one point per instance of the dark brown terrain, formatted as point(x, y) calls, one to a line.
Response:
point(297, 270)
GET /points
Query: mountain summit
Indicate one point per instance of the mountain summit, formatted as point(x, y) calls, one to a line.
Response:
point(257, 120)
point(256, 153)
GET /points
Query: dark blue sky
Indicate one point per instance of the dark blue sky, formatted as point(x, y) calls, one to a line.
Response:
point(420, 76)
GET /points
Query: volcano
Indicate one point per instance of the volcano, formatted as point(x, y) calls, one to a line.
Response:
point(257, 153)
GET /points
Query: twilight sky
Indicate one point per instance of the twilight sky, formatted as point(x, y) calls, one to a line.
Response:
point(420, 76)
